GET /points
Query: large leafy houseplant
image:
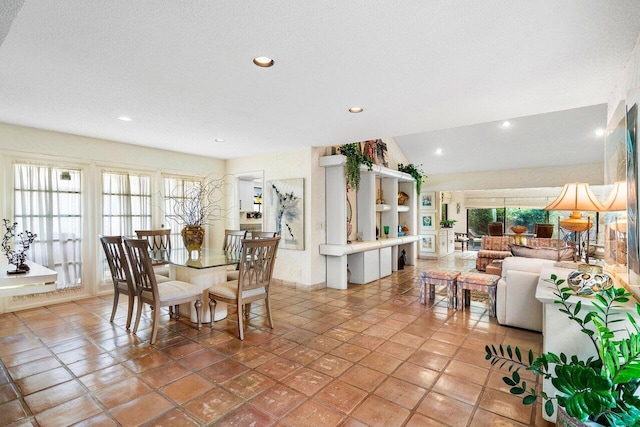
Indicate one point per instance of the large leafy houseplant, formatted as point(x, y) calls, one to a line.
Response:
point(355, 158)
point(415, 171)
point(596, 389)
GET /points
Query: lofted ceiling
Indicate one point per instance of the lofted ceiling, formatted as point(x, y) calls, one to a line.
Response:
point(431, 74)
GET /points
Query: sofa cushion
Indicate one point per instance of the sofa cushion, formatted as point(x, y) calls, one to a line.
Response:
point(495, 243)
point(541, 242)
point(494, 254)
point(531, 265)
point(555, 254)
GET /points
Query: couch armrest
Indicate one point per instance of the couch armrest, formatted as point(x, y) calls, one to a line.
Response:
point(516, 303)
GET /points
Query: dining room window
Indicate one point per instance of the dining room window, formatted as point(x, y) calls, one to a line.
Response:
point(176, 190)
point(48, 202)
point(126, 206)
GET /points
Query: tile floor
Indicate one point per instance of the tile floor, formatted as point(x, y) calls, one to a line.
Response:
point(368, 356)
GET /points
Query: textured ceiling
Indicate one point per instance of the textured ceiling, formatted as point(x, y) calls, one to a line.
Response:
point(183, 71)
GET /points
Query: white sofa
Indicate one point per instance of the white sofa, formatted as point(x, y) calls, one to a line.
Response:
point(516, 303)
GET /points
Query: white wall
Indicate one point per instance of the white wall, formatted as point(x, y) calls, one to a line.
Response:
point(305, 269)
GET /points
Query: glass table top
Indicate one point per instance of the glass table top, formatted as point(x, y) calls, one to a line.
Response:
point(205, 258)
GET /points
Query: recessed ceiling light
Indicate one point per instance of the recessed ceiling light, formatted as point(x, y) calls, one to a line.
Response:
point(439, 151)
point(219, 140)
point(125, 118)
point(356, 110)
point(506, 124)
point(599, 132)
point(263, 61)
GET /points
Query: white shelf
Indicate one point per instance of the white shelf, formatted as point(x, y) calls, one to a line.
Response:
point(381, 171)
point(370, 259)
point(356, 247)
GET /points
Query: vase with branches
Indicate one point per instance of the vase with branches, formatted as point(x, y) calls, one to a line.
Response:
point(196, 204)
point(22, 242)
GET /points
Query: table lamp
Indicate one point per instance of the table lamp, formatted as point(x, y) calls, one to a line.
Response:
point(576, 197)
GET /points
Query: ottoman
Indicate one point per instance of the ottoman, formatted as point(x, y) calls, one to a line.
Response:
point(441, 278)
point(478, 282)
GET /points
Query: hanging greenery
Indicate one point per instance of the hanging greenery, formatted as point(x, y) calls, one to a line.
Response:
point(415, 171)
point(355, 158)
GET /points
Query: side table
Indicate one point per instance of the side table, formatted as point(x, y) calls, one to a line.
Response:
point(441, 278)
point(477, 282)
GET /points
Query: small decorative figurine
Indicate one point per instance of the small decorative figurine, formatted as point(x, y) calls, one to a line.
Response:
point(402, 260)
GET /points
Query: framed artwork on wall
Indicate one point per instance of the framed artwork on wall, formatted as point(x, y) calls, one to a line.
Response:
point(428, 242)
point(427, 221)
point(285, 212)
point(428, 200)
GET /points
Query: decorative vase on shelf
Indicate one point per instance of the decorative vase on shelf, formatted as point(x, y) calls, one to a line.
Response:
point(193, 237)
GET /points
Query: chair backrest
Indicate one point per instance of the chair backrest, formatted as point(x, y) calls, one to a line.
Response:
point(141, 266)
point(117, 260)
point(156, 240)
point(257, 260)
point(261, 234)
point(544, 230)
point(233, 240)
point(496, 229)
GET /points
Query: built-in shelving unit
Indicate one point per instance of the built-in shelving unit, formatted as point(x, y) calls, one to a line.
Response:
point(371, 258)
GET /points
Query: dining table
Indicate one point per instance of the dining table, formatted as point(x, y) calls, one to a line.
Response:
point(203, 268)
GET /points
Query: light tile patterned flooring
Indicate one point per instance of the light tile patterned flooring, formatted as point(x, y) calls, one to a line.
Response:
point(371, 355)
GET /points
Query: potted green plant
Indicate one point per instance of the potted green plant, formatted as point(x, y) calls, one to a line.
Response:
point(599, 389)
point(415, 171)
point(355, 158)
point(448, 223)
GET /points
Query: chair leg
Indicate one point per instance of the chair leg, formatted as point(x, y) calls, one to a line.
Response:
point(154, 328)
point(199, 313)
point(267, 304)
point(212, 309)
point(138, 315)
point(240, 322)
point(247, 310)
point(130, 311)
point(116, 297)
point(176, 312)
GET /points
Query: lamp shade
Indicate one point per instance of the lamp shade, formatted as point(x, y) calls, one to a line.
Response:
point(617, 200)
point(576, 197)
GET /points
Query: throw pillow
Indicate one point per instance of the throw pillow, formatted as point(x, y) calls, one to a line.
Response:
point(554, 254)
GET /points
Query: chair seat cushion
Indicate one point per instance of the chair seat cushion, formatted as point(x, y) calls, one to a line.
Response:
point(162, 279)
point(175, 289)
point(229, 290)
point(233, 275)
point(161, 270)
